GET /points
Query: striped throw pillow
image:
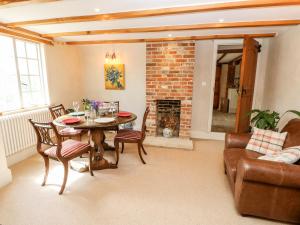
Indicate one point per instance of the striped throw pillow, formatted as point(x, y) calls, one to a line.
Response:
point(287, 155)
point(266, 142)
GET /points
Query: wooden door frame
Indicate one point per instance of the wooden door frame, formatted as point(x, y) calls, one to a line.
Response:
point(259, 69)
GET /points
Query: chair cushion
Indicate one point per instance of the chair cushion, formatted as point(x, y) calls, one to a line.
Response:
point(266, 142)
point(69, 149)
point(130, 135)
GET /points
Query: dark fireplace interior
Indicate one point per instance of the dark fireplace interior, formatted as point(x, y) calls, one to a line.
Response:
point(168, 116)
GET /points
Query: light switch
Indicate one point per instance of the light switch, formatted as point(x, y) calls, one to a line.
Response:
point(203, 83)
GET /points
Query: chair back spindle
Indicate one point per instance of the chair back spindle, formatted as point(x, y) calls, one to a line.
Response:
point(144, 127)
point(43, 133)
point(57, 111)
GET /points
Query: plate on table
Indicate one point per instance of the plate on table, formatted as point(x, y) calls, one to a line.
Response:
point(71, 120)
point(124, 114)
point(76, 114)
point(105, 120)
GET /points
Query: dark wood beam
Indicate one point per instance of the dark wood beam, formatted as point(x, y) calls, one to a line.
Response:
point(230, 51)
point(224, 54)
point(161, 12)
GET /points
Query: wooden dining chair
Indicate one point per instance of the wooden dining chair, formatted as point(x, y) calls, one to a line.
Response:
point(62, 151)
point(132, 136)
point(59, 110)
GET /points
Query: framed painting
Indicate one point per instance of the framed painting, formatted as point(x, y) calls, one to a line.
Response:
point(114, 76)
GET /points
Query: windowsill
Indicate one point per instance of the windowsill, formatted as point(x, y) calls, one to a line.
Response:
point(23, 110)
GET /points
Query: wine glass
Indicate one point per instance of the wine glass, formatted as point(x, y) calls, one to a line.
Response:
point(76, 106)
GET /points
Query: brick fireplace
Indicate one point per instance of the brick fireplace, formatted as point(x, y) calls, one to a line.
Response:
point(169, 76)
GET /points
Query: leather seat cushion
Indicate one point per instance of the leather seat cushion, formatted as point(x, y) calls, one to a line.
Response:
point(69, 148)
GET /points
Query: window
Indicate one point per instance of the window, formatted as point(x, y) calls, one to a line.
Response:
point(22, 84)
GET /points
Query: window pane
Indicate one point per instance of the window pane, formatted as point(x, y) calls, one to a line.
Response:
point(9, 98)
point(9, 88)
point(31, 49)
point(23, 66)
point(20, 45)
point(25, 85)
point(26, 99)
point(37, 98)
point(35, 83)
point(33, 67)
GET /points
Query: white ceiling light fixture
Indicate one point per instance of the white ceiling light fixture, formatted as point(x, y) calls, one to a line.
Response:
point(97, 10)
point(170, 35)
point(221, 20)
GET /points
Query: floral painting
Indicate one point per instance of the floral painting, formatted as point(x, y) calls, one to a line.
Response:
point(114, 76)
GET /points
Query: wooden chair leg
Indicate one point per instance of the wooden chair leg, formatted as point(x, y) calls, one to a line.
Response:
point(122, 147)
point(140, 152)
point(143, 149)
point(117, 151)
point(66, 170)
point(46, 160)
point(91, 153)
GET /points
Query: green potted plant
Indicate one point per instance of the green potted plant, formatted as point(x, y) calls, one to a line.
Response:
point(265, 119)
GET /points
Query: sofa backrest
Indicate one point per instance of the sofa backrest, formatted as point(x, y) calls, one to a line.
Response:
point(293, 137)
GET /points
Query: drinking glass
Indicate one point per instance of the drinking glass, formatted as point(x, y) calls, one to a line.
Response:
point(76, 106)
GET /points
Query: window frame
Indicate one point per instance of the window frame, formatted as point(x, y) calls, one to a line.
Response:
point(42, 77)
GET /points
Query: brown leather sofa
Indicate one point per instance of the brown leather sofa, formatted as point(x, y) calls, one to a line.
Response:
point(264, 188)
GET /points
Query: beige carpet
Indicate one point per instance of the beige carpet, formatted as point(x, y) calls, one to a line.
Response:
point(176, 187)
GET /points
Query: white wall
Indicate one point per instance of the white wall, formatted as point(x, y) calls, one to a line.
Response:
point(282, 86)
point(133, 98)
point(64, 74)
point(203, 81)
point(5, 174)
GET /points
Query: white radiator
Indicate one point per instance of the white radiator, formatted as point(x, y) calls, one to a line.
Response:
point(17, 133)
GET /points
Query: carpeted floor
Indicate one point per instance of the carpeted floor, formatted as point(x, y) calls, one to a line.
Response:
point(176, 187)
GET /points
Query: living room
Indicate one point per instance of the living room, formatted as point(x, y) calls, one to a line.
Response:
point(143, 75)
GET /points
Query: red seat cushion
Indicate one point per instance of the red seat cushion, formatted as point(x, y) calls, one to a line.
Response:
point(130, 135)
point(69, 148)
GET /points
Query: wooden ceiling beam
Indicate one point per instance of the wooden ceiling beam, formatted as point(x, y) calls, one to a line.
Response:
point(224, 54)
point(236, 58)
point(179, 28)
point(24, 34)
point(230, 51)
point(161, 12)
point(207, 37)
point(14, 3)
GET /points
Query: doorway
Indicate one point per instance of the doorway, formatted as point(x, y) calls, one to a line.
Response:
point(227, 79)
point(234, 86)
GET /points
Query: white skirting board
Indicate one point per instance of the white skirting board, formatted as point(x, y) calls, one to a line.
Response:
point(21, 155)
point(208, 135)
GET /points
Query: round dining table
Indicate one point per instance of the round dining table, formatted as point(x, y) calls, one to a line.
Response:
point(97, 136)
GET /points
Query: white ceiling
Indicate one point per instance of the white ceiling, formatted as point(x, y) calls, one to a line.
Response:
point(83, 7)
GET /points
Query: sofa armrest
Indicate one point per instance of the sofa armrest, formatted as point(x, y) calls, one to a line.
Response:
point(268, 172)
point(237, 140)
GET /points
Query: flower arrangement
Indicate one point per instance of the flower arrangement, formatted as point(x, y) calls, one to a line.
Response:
point(91, 104)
